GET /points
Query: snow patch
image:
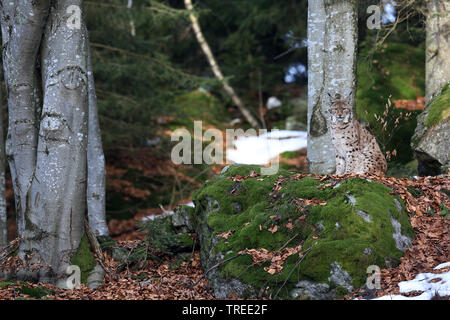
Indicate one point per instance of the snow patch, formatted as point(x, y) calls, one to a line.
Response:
point(261, 149)
point(430, 284)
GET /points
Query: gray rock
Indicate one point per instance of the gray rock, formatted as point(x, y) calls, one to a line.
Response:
point(181, 220)
point(340, 277)
point(398, 205)
point(432, 145)
point(236, 207)
point(224, 169)
point(433, 150)
point(320, 225)
point(119, 254)
point(337, 185)
point(213, 205)
point(315, 291)
point(351, 199)
point(402, 242)
point(224, 288)
point(146, 282)
point(95, 277)
point(364, 215)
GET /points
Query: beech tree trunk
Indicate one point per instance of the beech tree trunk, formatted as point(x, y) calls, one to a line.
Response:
point(431, 145)
point(3, 225)
point(96, 163)
point(332, 49)
point(53, 135)
point(437, 46)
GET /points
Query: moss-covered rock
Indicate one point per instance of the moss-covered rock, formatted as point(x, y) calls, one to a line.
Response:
point(171, 233)
point(431, 140)
point(439, 109)
point(36, 292)
point(343, 230)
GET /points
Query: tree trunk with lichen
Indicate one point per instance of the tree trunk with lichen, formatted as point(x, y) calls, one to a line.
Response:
point(332, 48)
point(437, 46)
point(432, 135)
point(53, 132)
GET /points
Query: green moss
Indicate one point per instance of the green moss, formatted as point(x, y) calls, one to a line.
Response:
point(290, 155)
point(37, 292)
point(185, 239)
point(440, 107)
point(6, 284)
point(197, 105)
point(84, 259)
point(163, 237)
point(341, 292)
point(261, 209)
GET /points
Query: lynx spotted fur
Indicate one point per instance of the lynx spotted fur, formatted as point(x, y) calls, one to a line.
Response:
point(357, 151)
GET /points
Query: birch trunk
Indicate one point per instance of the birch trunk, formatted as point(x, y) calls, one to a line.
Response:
point(49, 127)
point(438, 46)
point(332, 49)
point(216, 70)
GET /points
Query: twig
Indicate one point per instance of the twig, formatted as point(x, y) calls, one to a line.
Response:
point(293, 269)
point(287, 242)
point(93, 240)
point(193, 246)
point(6, 252)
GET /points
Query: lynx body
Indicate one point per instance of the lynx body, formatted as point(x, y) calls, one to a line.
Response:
point(357, 151)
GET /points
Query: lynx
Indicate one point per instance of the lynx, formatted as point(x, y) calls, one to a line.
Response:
point(357, 151)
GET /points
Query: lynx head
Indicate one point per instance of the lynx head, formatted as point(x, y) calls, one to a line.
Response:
point(341, 109)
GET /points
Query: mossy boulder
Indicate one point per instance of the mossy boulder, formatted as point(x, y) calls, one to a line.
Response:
point(431, 140)
point(171, 233)
point(342, 228)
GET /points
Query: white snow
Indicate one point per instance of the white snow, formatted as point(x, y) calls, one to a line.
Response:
point(190, 204)
point(261, 149)
point(429, 283)
point(153, 216)
point(273, 102)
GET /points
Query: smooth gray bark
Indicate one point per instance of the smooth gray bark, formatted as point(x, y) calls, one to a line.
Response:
point(332, 48)
point(96, 164)
point(51, 115)
point(438, 46)
point(3, 217)
point(430, 145)
point(22, 28)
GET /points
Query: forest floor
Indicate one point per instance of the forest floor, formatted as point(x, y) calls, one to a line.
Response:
point(178, 279)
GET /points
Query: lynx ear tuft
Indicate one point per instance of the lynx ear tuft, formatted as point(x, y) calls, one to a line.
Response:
point(331, 98)
point(349, 96)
